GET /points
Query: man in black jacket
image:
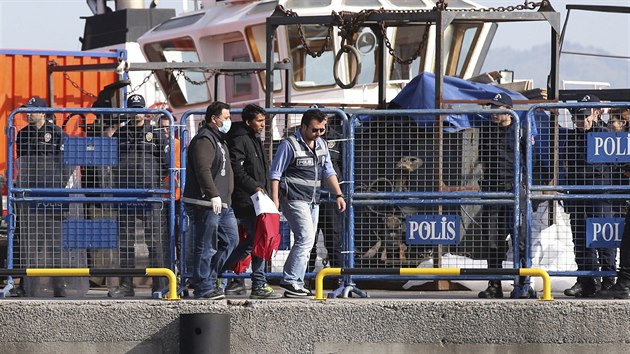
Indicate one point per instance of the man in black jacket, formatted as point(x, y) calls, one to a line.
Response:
point(251, 169)
point(208, 200)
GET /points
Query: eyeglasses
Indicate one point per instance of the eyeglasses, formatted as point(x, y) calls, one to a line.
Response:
point(318, 130)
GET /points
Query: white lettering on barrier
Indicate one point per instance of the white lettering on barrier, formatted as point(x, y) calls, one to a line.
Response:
point(609, 232)
point(612, 146)
point(427, 230)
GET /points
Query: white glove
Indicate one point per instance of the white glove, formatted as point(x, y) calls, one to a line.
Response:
point(216, 205)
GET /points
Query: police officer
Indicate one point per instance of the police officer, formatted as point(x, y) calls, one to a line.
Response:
point(40, 137)
point(301, 162)
point(580, 172)
point(39, 147)
point(141, 166)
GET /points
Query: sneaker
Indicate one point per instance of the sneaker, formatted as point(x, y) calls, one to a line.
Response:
point(264, 292)
point(235, 287)
point(215, 294)
point(493, 291)
point(121, 291)
point(617, 291)
point(294, 290)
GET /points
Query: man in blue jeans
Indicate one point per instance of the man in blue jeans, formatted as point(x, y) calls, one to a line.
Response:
point(207, 195)
point(301, 162)
point(251, 168)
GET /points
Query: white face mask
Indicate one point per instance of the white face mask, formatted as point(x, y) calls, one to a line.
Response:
point(227, 124)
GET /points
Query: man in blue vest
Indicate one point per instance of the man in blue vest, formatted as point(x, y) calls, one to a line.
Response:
point(301, 162)
point(207, 196)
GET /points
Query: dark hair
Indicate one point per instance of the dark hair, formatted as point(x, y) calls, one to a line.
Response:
point(164, 117)
point(312, 114)
point(251, 111)
point(214, 109)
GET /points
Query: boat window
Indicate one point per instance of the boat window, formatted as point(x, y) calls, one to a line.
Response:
point(264, 7)
point(239, 86)
point(185, 87)
point(406, 42)
point(178, 22)
point(258, 46)
point(459, 40)
point(367, 46)
point(296, 4)
point(309, 71)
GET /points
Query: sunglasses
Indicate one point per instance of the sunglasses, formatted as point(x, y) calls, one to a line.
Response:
point(318, 130)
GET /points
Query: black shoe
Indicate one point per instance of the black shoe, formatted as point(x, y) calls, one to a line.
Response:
point(235, 287)
point(574, 290)
point(124, 290)
point(617, 291)
point(607, 283)
point(215, 294)
point(493, 291)
point(294, 290)
point(59, 287)
point(19, 291)
point(580, 289)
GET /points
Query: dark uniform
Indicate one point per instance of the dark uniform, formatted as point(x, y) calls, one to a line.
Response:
point(142, 165)
point(581, 173)
point(38, 232)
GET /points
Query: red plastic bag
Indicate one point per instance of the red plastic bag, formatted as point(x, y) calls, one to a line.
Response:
point(242, 265)
point(267, 238)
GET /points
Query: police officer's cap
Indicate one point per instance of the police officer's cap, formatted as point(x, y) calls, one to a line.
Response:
point(135, 101)
point(501, 100)
point(35, 101)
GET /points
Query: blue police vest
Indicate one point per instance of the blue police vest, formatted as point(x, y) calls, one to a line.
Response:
point(303, 176)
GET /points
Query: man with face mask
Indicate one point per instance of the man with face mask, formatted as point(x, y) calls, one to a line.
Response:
point(207, 196)
point(580, 172)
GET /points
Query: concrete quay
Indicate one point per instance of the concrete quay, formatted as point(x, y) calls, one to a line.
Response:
point(388, 322)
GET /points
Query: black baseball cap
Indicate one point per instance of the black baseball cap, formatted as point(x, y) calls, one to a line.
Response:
point(135, 101)
point(501, 99)
point(35, 101)
point(587, 98)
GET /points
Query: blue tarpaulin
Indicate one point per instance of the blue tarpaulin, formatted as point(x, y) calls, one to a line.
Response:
point(420, 94)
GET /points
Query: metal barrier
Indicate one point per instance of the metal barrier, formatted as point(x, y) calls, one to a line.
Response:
point(97, 199)
point(576, 209)
point(331, 223)
point(523, 272)
point(411, 174)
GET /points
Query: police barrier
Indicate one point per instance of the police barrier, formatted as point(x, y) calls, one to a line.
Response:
point(576, 212)
point(426, 196)
point(332, 238)
point(99, 197)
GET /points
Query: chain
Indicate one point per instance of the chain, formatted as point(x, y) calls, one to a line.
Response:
point(76, 85)
point(349, 23)
point(309, 51)
point(144, 81)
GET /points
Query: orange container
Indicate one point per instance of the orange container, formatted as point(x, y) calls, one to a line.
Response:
point(24, 74)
